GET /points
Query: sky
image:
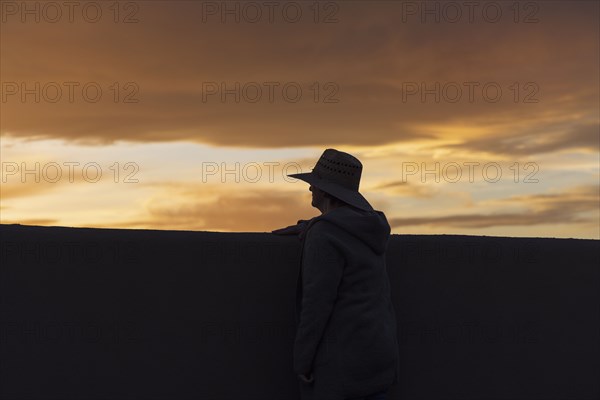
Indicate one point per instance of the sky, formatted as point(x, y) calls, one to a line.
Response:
point(474, 118)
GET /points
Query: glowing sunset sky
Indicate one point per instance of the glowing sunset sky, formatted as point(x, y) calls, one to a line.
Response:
point(509, 89)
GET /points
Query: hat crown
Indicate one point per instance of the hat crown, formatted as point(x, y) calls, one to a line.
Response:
point(340, 168)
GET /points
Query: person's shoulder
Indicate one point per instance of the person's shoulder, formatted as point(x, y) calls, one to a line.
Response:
point(319, 227)
point(326, 232)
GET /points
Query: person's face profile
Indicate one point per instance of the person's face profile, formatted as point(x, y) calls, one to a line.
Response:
point(317, 197)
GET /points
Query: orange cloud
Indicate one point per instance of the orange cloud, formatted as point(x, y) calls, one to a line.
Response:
point(554, 208)
point(370, 57)
point(202, 207)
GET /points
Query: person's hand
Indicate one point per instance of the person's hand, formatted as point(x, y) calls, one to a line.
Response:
point(306, 379)
point(292, 229)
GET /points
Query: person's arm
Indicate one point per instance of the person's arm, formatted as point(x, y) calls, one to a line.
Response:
point(292, 229)
point(322, 271)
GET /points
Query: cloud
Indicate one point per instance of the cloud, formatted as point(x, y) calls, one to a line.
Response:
point(204, 207)
point(32, 221)
point(369, 56)
point(29, 188)
point(553, 208)
point(407, 189)
point(34, 176)
point(537, 141)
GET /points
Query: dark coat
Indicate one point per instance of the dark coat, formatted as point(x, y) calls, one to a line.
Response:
point(346, 335)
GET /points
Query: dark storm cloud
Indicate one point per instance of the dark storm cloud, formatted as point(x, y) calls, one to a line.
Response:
point(371, 56)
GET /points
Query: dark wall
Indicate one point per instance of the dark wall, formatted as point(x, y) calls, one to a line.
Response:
point(124, 314)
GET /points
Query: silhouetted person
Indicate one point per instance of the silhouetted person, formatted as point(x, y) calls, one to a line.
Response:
point(346, 342)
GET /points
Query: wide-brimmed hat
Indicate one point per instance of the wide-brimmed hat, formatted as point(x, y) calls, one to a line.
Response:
point(338, 174)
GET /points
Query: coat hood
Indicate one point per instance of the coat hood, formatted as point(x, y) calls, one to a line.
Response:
point(371, 227)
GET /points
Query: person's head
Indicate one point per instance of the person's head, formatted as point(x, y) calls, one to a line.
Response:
point(338, 175)
point(324, 201)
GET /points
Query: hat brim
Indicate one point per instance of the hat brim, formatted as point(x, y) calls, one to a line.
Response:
point(349, 196)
